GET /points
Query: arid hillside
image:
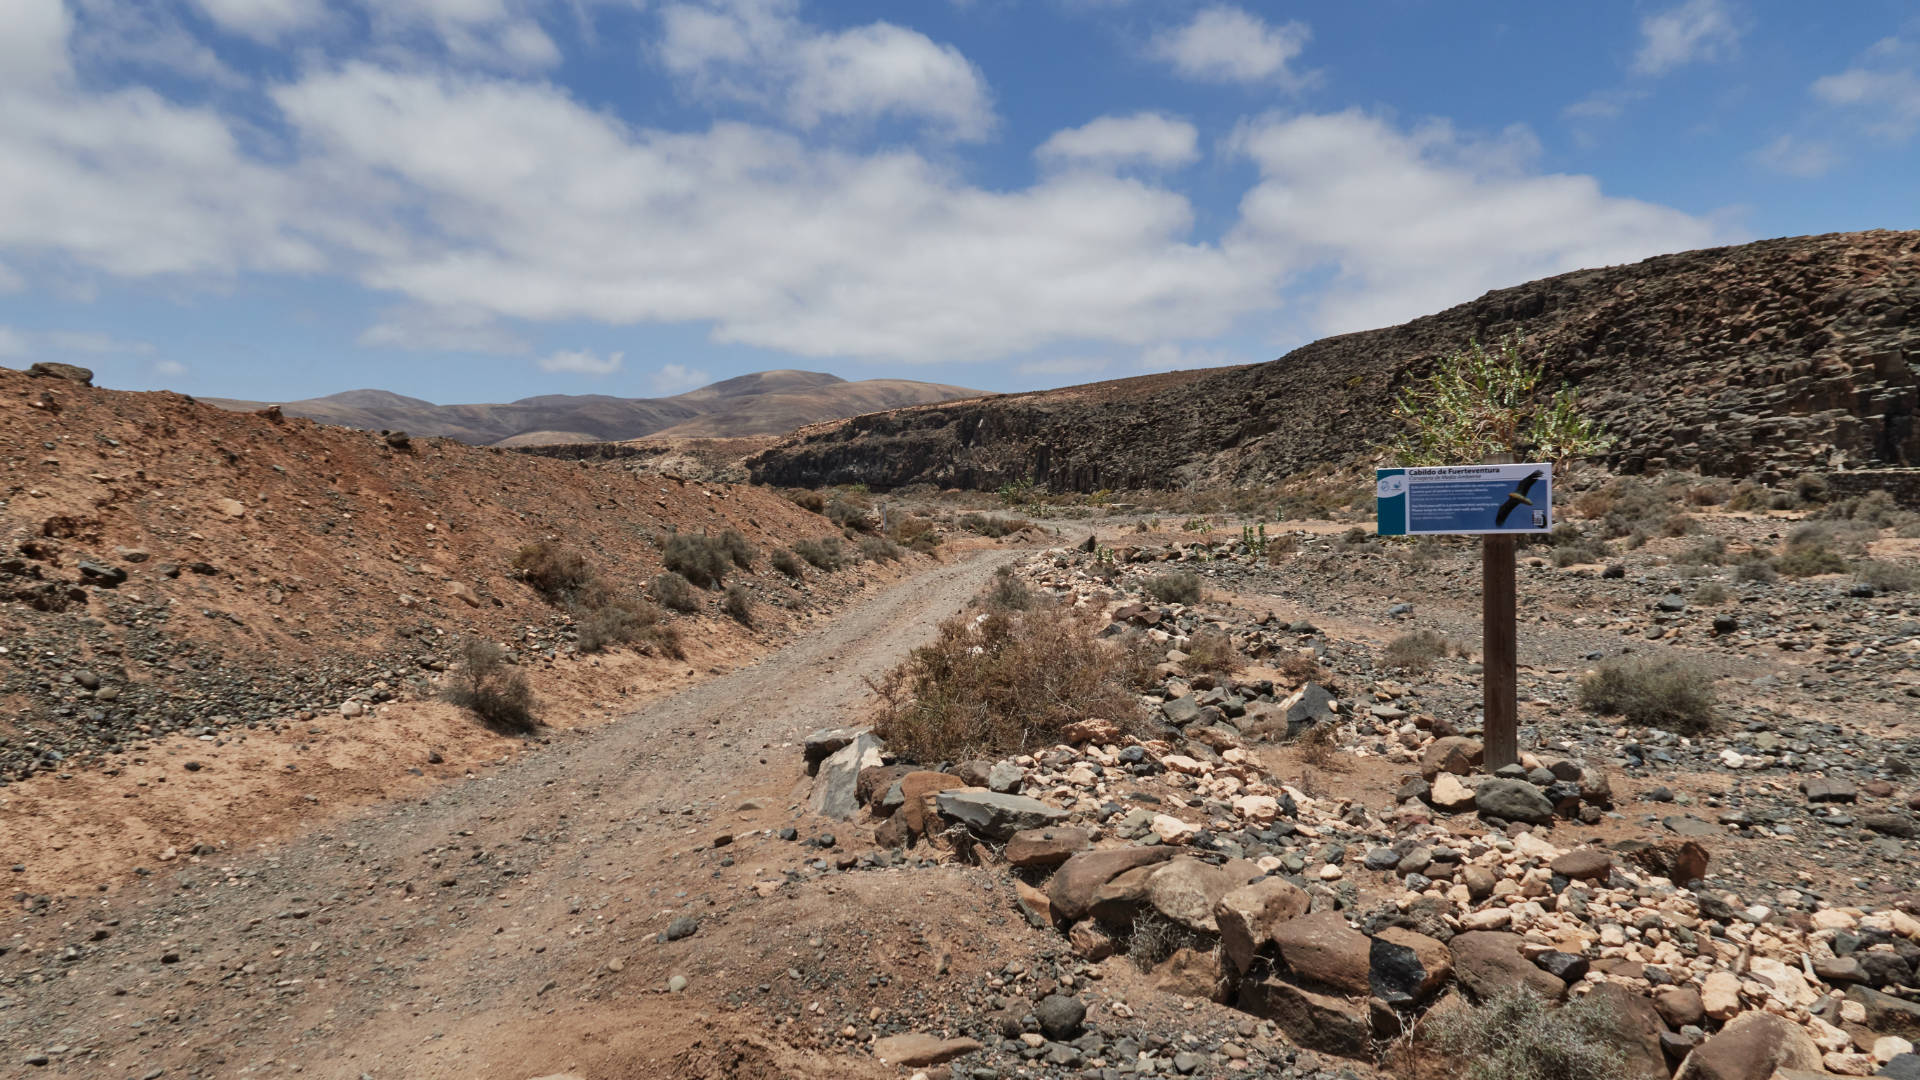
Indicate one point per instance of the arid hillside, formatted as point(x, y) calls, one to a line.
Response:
point(763, 403)
point(1767, 358)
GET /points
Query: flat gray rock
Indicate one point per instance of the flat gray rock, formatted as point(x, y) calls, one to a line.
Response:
point(995, 815)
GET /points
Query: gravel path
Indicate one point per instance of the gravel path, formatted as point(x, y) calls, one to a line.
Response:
point(347, 949)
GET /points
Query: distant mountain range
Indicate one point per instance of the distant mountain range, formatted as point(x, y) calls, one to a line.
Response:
point(763, 403)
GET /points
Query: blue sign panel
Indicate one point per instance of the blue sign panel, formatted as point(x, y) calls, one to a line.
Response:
point(1464, 499)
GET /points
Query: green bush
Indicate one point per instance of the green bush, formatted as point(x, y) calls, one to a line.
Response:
point(674, 591)
point(485, 684)
point(786, 562)
point(1667, 692)
point(824, 553)
point(1519, 1035)
point(1179, 588)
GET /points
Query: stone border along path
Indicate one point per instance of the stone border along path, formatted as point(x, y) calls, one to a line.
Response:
point(311, 950)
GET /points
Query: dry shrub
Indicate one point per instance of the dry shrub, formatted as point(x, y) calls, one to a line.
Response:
point(880, 549)
point(1300, 667)
point(1319, 747)
point(1709, 552)
point(1001, 682)
point(1518, 1035)
point(1885, 576)
point(1155, 938)
point(737, 548)
point(738, 605)
point(1419, 650)
point(824, 553)
point(848, 512)
point(1711, 592)
point(1757, 567)
point(557, 572)
point(1667, 692)
point(1178, 588)
point(808, 500)
point(702, 560)
point(1594, 503)
point(629, 621)
point(1580, 552)
point(1007, 592)
point(993, 526)
point(675, 592)
point(1213, 650)
point(914, 533)
point(786, 562)
point(485, 684)
point(1809, 557)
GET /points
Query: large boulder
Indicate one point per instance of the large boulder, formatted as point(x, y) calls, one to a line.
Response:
point(1635, 1030)
point(917, 790)
point(1185, 889)
point(1751, 1047)
point(1246, 916)
point(914, 1050)
point(1452, 753)
point(1323, 1022)
point(837, 785)
point(50, 369)
point(1489, 961)
point(1406, 968)
point(1513, 800)
point(1123, 899)
point(1045, 847)
point(1073, 885)
point(1321, 947)
point(1886, 1014)
point(994, 815)
point(822, 744)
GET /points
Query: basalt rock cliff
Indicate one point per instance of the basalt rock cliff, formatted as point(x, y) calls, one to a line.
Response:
point(1764, 359)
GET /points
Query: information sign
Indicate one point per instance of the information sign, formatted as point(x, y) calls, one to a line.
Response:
point(1465, 499)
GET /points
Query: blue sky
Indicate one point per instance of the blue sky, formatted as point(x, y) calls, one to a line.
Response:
point(479, 200)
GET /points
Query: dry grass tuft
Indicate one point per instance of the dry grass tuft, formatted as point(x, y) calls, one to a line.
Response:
point(1518, 1035)
point(1180, 588)
point(1667, 692)
point(485, 684)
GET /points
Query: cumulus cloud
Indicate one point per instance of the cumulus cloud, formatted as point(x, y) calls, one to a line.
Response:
point(1694, 31)
point(678, 379)
point(169, 369)
point(1145, 138)
point(583, 362)
point(1228, 44)
point(1883, 88)
point(441, 329)
point(264, 20)
point(1792, 156)
point(759, 51)
point(33, 41)
point(1415, 221)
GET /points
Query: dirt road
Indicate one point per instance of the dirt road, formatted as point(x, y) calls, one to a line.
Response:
point(488, 929)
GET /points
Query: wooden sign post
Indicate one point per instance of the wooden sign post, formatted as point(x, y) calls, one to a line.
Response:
point(1495, 501)
point(1499, 663)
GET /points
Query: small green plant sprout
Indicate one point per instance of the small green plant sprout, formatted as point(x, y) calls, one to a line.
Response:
point(1255, 539)
point(1481, 402)
point(1104, 556)
point(1195, 524)
point(1018, 492)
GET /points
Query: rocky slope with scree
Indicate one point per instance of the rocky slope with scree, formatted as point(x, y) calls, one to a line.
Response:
point(1767, 360)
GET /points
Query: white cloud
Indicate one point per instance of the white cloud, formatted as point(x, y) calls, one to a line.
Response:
point(149, 36)
point(493, 33)
point(264, 20)
point(1694, 31)
point(169, 369)
point(12, 342)
point(441, 330)
point(33, 41)
point(814, 252)
point(678, 379)
point(88, 341)
point(1145, 138)
point(1172, 357)
point(1227, 44)
point(1413, 222)
point(1796, 157)
point(760, 52)
point(1063, 365)
point(583, 362)
point(1884, 86)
